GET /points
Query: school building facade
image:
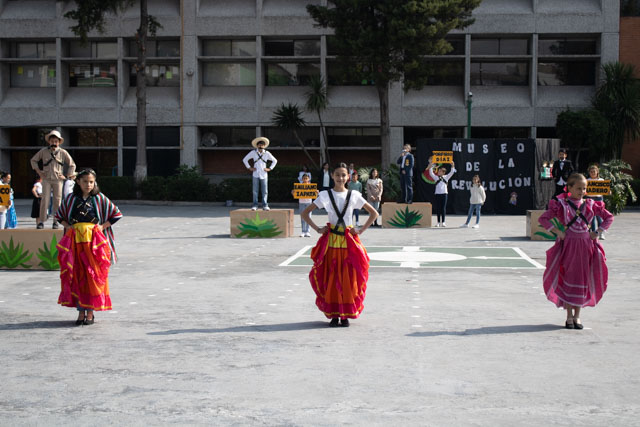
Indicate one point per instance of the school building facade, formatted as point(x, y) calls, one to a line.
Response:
point(218, 69)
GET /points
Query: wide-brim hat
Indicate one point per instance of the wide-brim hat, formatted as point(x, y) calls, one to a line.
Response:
point(54, 133)
point(260, 139)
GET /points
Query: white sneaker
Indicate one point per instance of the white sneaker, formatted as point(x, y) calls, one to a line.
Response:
point(266, 208)
point(254, 208)
point(357, 224)
point(444, 224)
point(476, 226)
point(464, 226)
point(437, 225)
point(307, 234)
point(303, 234)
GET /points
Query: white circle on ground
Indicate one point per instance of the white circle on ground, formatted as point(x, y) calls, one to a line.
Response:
point(402, 256)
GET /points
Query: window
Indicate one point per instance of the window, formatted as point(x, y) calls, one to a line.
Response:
point(441, 73)
point(98, 50)
point(567, 73)
point(27, 137)
point(412, 134)
point(285, 138)
point(457, 45)
point(291, 74)
point(33, 75)
point(162, 159)
point(93, 137)
point(499, 73)
point(339, 75)
point(565, 46)
point(157, 136)
point(229, 74)
point(499, 46)
point(157, 48)
point(353, 137)
point(158, 75)
point(92, 75)
point(292, 47)
point(227, 136)
point(33, 50)
point(228, 48)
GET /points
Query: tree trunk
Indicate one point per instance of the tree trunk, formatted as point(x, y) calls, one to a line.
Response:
point(324, 150)
point(141, 95)
point(313, 162)
point(385, 142)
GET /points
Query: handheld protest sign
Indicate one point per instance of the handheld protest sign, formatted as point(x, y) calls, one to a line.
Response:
point(305, 191)
point(442, 157)
point(599, 188)
point(5, 195)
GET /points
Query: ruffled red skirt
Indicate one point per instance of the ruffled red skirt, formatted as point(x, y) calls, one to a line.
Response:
point(85, 257)
point(339, 275)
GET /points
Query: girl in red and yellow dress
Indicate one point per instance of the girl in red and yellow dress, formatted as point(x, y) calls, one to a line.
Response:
point(86, 251)
point(340, 262)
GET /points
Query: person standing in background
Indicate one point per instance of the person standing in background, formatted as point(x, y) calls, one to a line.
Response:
point(54, 160)
point(406, 161)
point(562, 169)
point(260, 157)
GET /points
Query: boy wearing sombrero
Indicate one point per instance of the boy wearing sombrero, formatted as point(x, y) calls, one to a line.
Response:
point(260, 157)
point(54, 161)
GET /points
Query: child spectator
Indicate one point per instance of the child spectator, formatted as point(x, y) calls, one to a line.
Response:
point(441, 179)
point(374, 192)
point(355, 185)
point(478, 196)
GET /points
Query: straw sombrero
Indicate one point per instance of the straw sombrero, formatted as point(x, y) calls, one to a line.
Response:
point(54, 133)
point(260, 139)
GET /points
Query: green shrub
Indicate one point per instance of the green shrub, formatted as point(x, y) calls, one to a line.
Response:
point(621, 190)
point(154, 188)
point(635, 186)
point(240, 190)
point(118, 187)
point(290, 172)
point(189, 185)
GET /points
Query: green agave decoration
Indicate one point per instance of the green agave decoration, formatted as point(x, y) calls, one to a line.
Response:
point(257, 227)
point(13, 256)
point(551, 235)
point(405, 218)
point(49, 255)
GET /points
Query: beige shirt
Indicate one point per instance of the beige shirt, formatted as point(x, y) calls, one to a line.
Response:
point(54, 164)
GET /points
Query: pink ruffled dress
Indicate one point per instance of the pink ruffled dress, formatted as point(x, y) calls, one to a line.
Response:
point(576, 271)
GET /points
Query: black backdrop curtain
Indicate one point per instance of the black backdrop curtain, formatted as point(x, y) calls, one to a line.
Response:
point(506, 168)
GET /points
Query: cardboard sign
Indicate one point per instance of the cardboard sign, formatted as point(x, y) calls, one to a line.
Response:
point(305, 191)
point(442, 157)
point(5, 195)
point(599, 188)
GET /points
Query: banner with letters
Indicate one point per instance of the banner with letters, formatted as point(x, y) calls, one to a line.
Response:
point(505, 166)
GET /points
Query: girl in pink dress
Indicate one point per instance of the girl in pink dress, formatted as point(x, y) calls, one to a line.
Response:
point(576, 274)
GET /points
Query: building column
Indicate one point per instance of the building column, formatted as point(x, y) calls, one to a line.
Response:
point(190, 84)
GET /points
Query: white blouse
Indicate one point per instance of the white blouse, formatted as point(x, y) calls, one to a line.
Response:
point(355, 202)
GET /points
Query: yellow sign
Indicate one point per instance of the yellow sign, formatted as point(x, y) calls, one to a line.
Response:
point(599, 188)
point(305, 191)
point(442, 157)
point(5, 195)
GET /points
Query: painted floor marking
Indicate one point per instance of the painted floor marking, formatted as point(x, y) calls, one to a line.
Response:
point(430, 257)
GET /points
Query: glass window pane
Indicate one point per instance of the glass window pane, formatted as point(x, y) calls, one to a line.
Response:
point(310, 135)
point(157, 136)
point(279, 48)
point(229, 74)
point(514, 47)
point(133, 47)
point(158, 75)
point(306, 48)
point(227, 136)
point(79, 50)
point(499, 73)
point(291, 74)
point(104, 162)
point(106, 50)
point(567, 73)
point(26, 50)
point(458, 46)
point(567, 47)
point(48, 50)
point(216, 47)
point(243, 48)
point(446, 74)
point(168, 48)
point(338, 75)
point(485, 47)
point(33, 75)
point(353, 137)
point(92, 75)
point(159, 162)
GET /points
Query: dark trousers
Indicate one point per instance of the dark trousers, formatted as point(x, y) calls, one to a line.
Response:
point(441, 206)
point(406, 184)
point(559, 189)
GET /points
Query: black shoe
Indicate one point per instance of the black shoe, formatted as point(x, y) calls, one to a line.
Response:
point(333, 323)
point(40, 226)
point(344, 323)
point(569, 325)
point(79, 322)
point(89, 322)
point(55, 225)
point(577, 324)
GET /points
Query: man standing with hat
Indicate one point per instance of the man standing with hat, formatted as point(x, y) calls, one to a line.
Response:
point(54, 160)
point(260, 157)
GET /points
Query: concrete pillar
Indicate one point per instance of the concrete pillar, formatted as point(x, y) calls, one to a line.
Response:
point(467, 79)
point(190, 81)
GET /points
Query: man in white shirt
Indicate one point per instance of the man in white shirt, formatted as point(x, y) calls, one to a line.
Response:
point(260, 157)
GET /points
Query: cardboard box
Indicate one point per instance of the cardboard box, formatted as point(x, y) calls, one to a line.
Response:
point(261, 224)
point(401, 215)
point(29, 249)
point(534, 230)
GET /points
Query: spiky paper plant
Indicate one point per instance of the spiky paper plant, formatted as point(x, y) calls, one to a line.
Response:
point(405, 218)
point(258, 227)
point(13, 256)
point(551, 235)
point(49, 255)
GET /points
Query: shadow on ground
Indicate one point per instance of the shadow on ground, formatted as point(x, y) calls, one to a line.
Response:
point(278, 327)
point(38, 325)
point(491, 330)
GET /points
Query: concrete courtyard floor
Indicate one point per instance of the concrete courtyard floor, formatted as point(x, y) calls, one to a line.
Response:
point(208, 330)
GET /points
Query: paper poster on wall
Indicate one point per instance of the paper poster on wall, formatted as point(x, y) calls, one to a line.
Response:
point(168, 75)
point(52, 73)
point(154, 72)
point(20, 71)
point(96, 71)
point(174, 70)
point(30, 74)
point(87, 74)
point(76, 70)
point(112, 70)
point(163, 69)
